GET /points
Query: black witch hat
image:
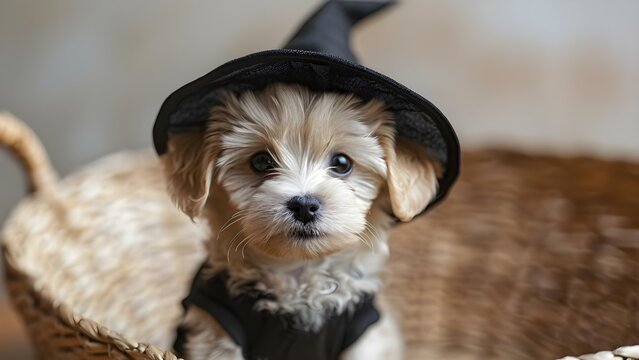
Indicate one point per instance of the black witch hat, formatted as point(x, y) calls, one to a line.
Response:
point(319, 57)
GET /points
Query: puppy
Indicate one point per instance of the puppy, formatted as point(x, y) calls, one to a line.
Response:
point(299, 189)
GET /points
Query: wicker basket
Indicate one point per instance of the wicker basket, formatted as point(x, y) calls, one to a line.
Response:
point(530, 258)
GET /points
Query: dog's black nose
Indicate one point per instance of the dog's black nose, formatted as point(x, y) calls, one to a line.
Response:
point(304, 208)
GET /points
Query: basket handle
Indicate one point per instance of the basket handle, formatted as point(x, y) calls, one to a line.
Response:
point(23, 143)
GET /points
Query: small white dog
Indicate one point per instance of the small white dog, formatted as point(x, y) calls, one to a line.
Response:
point(300, 189)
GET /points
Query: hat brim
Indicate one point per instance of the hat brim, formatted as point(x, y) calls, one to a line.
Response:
point(187, 109)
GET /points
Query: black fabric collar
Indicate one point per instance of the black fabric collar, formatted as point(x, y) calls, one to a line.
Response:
point(263, 335)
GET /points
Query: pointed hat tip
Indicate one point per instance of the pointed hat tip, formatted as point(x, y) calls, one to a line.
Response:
point(358, 10)
point(328, 29)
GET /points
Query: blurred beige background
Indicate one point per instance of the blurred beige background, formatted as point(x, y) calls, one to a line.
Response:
point(551, 76)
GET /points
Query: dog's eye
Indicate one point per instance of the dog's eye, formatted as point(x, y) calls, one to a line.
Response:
point(341, 165)
point(262, 162)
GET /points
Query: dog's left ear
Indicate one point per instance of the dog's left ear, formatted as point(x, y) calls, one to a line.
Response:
point(188, 168)
point(411, 174)
point(411, 177)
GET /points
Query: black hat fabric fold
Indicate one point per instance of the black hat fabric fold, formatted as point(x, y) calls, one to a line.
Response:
point(318, 56)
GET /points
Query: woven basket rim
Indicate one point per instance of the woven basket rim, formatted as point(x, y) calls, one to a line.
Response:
point(86, 327)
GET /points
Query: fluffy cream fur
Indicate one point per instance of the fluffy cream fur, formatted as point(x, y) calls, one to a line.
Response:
point(210, 176)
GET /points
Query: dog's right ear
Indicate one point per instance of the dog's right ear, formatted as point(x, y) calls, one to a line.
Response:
point(188, 168)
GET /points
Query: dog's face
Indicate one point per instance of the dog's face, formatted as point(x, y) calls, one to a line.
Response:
point(300, 171)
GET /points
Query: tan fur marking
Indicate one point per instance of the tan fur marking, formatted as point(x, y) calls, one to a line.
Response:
point(412, 179)
point(188, 168)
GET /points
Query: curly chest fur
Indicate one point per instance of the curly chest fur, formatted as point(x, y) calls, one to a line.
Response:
point(308, 293)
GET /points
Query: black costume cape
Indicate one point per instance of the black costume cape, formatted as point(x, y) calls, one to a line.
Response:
point(264, 335)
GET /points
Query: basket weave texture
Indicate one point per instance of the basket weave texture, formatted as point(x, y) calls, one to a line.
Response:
point(529, 258)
